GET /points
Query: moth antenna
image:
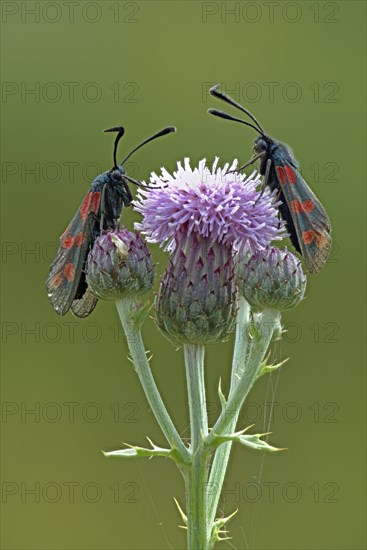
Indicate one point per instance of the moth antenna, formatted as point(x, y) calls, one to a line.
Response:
point(224, 97)
point(163, 132)
point(120, 132)
point(222, 114)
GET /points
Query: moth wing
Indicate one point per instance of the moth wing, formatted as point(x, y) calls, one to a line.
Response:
point(83, 306)
point(309, 218)
point(66, 269)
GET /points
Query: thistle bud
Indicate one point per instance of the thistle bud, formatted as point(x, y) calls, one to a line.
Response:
point(119, 265)
point(196, 302)
point(271, 279)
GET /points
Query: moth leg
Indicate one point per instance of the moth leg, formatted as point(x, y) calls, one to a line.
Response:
point(139, 183)
point(267, 172)
point(128, 192)
point(266, 179)
point(251, 161)
point(103, 208)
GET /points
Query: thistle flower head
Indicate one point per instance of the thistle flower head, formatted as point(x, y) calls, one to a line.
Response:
point(196, 302)
point(119, 264)
point(225, 207)
point(271, 278)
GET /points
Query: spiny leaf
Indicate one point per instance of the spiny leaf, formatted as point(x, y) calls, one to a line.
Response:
point(253, 441)
point(265, 368)
point(222, 398)
point(219, 522)
point(123, 453)
point(139, 312)
point(223, 538)
point(217, 529)
point(134, 451)
point(182, 513)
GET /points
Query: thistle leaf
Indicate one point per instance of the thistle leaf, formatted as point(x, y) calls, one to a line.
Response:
point(222, 398)
point(217, 530)
point(182, 514)
point(265, 368)
point(139, 312)
point(133, 452)
point(222, 521)
point(253, 441)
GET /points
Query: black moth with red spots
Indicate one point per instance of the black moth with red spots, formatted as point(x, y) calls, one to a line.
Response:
point(307, 223)
point(100, 211)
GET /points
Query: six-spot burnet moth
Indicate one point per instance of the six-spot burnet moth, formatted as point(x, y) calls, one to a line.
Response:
point(100, 211)
point(307, 223)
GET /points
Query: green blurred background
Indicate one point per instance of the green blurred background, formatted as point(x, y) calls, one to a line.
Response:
point(299, 66)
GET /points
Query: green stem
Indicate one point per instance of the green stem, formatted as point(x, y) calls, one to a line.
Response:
point(247, 376)
point(219, 466)
point(197, 475)
point(138, 354)
point(243, 378)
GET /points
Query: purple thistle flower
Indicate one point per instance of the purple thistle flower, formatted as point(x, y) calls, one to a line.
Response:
point(227, 208)
point(197, 298)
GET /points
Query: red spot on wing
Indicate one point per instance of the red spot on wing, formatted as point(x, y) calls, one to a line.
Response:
point(90, 204)
point(56, 280)
point(321, 239)
point(308, 236)
point(308, 205)
point(68, 241)
point(94, 203)
point(79, 239)
point(84, 209)
point(311, 236)
point(69, 272)
point(281, 174)
point(291, 174)
point(296, 206)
